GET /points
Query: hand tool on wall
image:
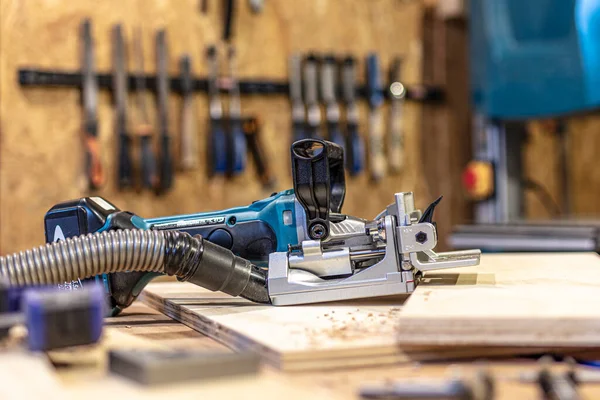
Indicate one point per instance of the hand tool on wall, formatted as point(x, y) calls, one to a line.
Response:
point(124, 164)
point(313, 110)
point(354, 142)
point(236, 148)
point(229, 7)
point(328, 81)
point(165, 181)
point(143, 129)
point(298, 111)
point(312, 251)
point(396, 137)
point(376, 137)
point(217, 141)
point(251, 127)
point(188, 144)
point(93, 164)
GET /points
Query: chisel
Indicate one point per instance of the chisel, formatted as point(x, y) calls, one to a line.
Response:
point(188, 147)
point(328, 84)
point(217, 142)
point(251, 128)
point(298, 112)
point(237, 140)
point(313, 111)
point(143, 130)
point(396, 137)
point(355, 148)
point(165, 180)
point(93, 165)
point(124, 167)
point(375, 98)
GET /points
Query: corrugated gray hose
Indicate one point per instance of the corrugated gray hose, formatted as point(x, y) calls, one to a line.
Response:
point(173, 253)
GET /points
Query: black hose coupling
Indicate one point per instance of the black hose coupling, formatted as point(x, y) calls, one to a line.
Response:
point(195, 260)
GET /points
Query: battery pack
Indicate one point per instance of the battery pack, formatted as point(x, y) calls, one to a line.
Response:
point(57, 318)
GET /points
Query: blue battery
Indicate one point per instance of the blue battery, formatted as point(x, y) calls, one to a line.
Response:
point(57, 319)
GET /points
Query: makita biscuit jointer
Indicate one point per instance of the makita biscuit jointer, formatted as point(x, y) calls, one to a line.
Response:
point(294, 247)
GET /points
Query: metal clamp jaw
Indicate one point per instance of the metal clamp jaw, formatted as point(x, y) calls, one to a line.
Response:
point(416, 237)
point(379, 258)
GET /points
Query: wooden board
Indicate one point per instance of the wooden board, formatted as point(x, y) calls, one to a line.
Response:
point(508, 300)
point(290, 338)
point(510, 304)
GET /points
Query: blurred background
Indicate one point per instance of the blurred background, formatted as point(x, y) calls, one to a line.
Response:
point(490, 103)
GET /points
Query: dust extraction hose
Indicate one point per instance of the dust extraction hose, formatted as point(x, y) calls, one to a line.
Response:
point(188, 258)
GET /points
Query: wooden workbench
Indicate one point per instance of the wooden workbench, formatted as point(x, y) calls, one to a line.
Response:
point(25, 376)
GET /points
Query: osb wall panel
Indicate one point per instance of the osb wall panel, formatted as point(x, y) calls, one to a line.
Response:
point(40, 148)
point(542, 164)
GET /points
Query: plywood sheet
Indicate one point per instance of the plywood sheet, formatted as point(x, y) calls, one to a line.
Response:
point(508, 300)
point(510, 304)
point(291, 338)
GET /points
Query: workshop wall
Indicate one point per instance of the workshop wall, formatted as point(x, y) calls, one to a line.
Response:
point(40, 148)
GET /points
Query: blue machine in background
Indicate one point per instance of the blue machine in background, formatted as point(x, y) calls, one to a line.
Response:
point(529, 59)
point(534, 58)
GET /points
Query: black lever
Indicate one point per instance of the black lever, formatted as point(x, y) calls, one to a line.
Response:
point(319, 182)
point(428, 213)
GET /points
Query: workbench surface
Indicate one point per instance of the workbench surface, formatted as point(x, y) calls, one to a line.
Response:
point(141, 327)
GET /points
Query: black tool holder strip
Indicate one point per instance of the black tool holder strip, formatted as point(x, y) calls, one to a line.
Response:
point(40, 77)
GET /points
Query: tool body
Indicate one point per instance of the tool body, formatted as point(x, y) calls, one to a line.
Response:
point(298, 112)
point(396, 137)
point(124, 164)
point(377, 162)
point(354, 145)
point(237, 147)
point(162, 78)
point(143, 130)
point(313, 111)
point(328, 81)
point(94, 170)
point(217, 140)
point(188, 148)
point(313, 252)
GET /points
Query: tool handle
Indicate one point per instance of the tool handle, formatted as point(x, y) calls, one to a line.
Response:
point(355, 150)
point(237, 147)
point(166, 163)
point(396, 138)
point(189, 141)
point(376, 145)
point(336, 135)
point(252, 132)
point(217, 148)
point(124, 173)
point(299, 130)
point(93, 164)
point(149, 178)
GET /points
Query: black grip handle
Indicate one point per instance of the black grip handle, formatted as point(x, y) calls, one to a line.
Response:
point(148, 163)
point(237, 147)
point(124, 177)
point(166, 164)
point(299, 130)
point(217, 145)
point(355, 147)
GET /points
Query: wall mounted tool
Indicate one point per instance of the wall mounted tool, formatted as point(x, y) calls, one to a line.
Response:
point(124, 163)
point(354, 142)
point(188, 140)
point(377, 162)
point(93, 164)
point(165, 181)
point(395, 146)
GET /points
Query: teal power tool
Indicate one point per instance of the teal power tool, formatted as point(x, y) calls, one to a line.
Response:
point(295, 247)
